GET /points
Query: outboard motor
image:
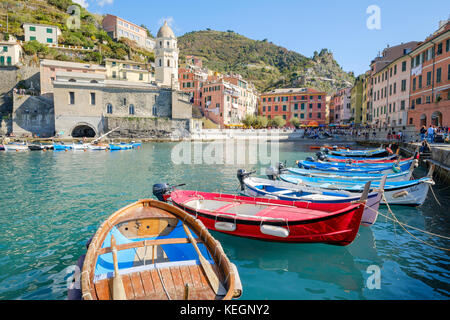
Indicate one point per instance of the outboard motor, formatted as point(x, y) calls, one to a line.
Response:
point(241, 175)
point(311, 159)
point(272, 173)
point(160, 190)
point(321, 156)
point(281, 167)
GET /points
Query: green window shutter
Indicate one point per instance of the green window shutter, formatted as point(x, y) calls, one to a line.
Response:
point(32, 28)
point(32, 38)
point(49, 30)
point(8, 61)
point(2, 61)
point(49, 40)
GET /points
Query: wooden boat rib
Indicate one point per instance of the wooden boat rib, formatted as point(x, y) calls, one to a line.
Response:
point(156, 259)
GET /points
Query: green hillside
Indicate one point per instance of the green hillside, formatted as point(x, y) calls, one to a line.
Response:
point(265, 64)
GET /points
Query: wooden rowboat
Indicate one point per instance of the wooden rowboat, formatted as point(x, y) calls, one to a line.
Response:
point(151, 250)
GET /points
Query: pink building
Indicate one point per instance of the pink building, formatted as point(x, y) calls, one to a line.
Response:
point(120, 28)
point(49, 68)
point(342, 106)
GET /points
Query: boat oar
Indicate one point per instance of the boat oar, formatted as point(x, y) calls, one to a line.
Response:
point(118, 287)
point(210, 274)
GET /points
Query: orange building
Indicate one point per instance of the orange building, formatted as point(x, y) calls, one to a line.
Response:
point(306, 104)
point(430, 80)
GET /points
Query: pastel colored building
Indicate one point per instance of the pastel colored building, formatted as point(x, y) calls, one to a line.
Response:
point(128, 70)
point(49, 68)
point(11, 52)
point(120, 28)
point(390, 83)
point(306, 104)
point(43, 33)
point(356, 101)
point(430, 80)
point(342, 106)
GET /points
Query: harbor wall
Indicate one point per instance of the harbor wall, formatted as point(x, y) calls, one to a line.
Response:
point(32, 115)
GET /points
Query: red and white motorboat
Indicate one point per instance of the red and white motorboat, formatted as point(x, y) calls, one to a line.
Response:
point(270, 219)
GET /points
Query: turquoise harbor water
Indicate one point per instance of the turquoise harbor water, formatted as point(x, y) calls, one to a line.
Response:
point(51, 203)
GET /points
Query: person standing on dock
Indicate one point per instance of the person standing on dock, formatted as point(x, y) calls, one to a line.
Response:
point(430, 134)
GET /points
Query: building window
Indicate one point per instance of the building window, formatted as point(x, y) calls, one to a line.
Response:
point(124, 101)
point(439, 49)
point(429, 78)
point(131, 109)
point(92, 98)
point(141, 76)
point(32, 28)
point(310, 115)
point(302, 116)
point(49, 30)
point(303, 106)
point(32, 38)
point(154, 111)
point(404, 66)
point(420, 81)
point(109, 108)
point(5, 49)
point(414, 84)
point(438, 75)
point(404, 85)
point(114, 75)
point(49, 40)
point(71, 97)
point(402, 105)
point(296, 105)
point(125, 75)
point(284, 108)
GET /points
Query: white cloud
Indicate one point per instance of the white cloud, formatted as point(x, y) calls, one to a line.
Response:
point(82, 3)
point(170, 21)
point(101, 3)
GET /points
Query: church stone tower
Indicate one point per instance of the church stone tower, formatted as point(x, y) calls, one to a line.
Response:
point(166, 58)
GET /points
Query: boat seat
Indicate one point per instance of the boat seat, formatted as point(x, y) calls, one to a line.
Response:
point(281, 192)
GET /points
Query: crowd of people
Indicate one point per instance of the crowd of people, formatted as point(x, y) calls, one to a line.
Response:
point(434, 134)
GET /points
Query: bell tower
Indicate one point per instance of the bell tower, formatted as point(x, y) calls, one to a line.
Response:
point(166, 57)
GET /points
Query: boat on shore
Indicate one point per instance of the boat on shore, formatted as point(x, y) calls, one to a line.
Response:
point(270, 219)
point(151, 250)
point(276, 189)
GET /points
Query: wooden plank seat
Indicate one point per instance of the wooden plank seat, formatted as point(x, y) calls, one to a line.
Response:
point(145, 283)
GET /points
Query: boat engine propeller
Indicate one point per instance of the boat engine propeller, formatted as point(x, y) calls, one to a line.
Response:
point(241, 175)
point(274, 173)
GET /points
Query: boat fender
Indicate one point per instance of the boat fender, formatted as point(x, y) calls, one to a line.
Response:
point(225, 226)
point(160, 190)
point(389, 150)
point(274, 231)
point(396, 169)
point(400, 194)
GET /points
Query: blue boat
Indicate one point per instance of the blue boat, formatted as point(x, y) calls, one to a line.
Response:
point(352, 166)
point(410, 192)
point(62, 147)
point(404, 175)
point(380, 152)
point(348, 168)
point(120, 146)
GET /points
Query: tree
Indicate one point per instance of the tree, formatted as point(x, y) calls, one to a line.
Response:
point(34, 47)
point(295, 122)
point(249, 120)
point(261, 122)
point(277, 122)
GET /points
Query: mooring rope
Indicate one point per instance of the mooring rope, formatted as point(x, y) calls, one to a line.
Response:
point(401, 225)
point(432, 191)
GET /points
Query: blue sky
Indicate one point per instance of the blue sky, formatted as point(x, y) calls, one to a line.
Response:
point(299, 25)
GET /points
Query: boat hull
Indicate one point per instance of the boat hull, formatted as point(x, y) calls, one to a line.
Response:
point(337, 229)
point(406, 175)
point(14, 147)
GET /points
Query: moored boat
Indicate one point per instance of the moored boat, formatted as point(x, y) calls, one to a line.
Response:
point(275, 189)
point(270, 219)
point(151, 250)
point(62, 147)
point(16, 146)
point(120, 146)
point(363, 168)
point(379, 152)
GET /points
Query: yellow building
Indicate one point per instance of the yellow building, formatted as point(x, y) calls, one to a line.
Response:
point(127, 70)
point(356, 104)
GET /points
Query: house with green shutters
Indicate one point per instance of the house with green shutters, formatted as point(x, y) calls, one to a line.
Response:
point(10, 52)
point(43, 33)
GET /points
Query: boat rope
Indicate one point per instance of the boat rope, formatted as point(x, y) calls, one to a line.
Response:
point(406, 225)
point(401, 225)
point(434, 195)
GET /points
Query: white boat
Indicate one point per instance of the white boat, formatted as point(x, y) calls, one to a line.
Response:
point(80, 146)
point(274, 189)
point(98, 147)
point(16, 146)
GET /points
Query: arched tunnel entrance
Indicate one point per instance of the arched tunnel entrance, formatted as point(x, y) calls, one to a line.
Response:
point(83, 130)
